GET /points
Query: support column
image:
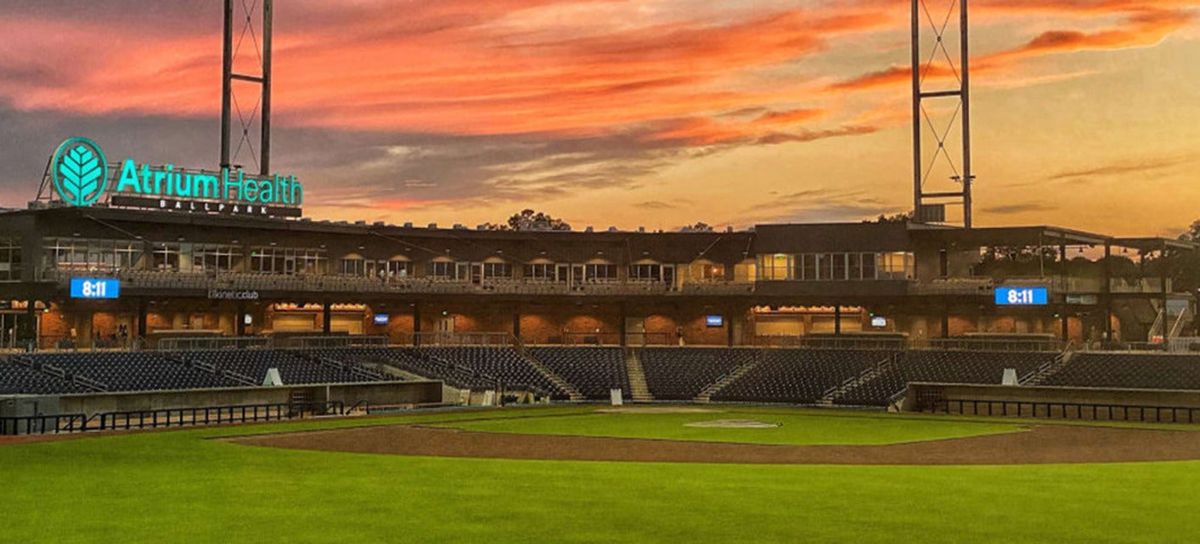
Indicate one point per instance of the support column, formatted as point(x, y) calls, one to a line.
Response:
point(1106, 292)
point(326, 317)
point(516, 324)
point(28, 331)
point(729, 336)
point(1164, 293)
point(416, 339)
point(621, 325)
point(837, 319)
point(140, 329)
point(1066, 324)
point(239, 325)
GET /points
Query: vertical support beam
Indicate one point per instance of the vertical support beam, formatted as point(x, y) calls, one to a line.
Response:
point(729, 338)
point(265, 148)
point(1106, 291)
point(416, 339)
point(516, 324)
point(916, 106)
point(326, 317)
point(621, 326)
point(1066, 324)
point(141, 331)
point(226, 83)
point(28, 331)
point(1164, 292)
point(239, 325)
point(837, 319)
point(964, 45)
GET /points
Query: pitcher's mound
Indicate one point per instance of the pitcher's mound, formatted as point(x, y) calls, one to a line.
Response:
point(733, 424)
point(656, 410)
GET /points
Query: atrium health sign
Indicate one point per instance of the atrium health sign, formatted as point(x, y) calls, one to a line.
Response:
point(81, 176)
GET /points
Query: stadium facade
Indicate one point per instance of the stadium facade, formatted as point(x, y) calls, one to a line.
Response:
point(182, 264)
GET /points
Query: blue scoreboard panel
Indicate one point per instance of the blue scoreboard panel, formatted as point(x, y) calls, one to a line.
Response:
point(95, 288)
point(1022, 296)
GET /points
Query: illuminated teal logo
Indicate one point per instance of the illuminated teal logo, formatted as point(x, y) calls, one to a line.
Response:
point(80, 171)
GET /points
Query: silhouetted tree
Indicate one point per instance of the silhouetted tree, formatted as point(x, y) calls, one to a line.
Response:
point(530, 220)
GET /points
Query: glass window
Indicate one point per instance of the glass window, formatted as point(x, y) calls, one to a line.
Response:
point(895, 266)
point(353, 267)
point(645, 272)
point(712, 272)
point(166, 257)
point(600, 272)
point(540, 272)
point(10, 259)
point(839, 266)
point(855, 266)
point(399, 269)
point(868, 266)
point(497, 270)
point(446, 270)
point(774, 267)
point(213, 258)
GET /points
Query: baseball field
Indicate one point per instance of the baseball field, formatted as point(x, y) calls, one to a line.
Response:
point(595, 474)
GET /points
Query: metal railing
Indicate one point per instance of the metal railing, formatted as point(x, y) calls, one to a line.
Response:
point(1065, 410)
point(198, 343)
point(168, 417)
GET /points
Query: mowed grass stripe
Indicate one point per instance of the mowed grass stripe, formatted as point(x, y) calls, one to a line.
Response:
point(179, 487)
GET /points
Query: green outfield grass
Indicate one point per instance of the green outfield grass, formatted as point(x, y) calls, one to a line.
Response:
point(180, 487)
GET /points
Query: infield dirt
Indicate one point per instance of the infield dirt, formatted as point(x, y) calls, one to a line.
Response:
point(1036, 445)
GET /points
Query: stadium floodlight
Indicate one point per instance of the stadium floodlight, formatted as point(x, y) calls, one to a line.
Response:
point(929, 205)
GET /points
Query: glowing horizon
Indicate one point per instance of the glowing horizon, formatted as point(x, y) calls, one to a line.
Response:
point(633, 112)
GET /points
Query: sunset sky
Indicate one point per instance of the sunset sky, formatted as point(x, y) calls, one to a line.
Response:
point(655, 113)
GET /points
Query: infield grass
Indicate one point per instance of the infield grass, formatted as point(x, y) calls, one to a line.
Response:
point(180, 487)
point(795, 426)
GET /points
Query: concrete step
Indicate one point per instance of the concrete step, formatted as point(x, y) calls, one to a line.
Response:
point(638, 390)
point(572, 392)
point(715, 387)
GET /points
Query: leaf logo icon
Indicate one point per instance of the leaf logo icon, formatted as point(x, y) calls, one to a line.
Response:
point(80, 172)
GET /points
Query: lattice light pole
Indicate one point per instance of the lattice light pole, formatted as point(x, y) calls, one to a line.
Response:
point(929, 205)
point(229, 102)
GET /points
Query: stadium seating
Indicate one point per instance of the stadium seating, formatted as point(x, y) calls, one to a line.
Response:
point(800, 376)
point(592, 370)
point(682, 373)
point(982, 367)
point(1135, 371)
point(20, 379)
point(137, 371)
point(796, 375)
point(505, 365)
point(294, 368)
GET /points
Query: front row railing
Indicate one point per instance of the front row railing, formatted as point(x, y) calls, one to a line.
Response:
point(169, 417)
point(1066, 410)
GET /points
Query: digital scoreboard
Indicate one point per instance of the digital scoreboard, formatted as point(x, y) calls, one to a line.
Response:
point(714, 320)
point(95, 288)
point(1022, 296)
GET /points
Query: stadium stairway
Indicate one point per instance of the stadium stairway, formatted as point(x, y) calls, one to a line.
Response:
point(867, 376)
point(715, 387)
point(1049, 369)
point(638, 390)
point(572, 392)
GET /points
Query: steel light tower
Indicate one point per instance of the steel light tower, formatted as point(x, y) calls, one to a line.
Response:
point(938, 64)
point(245, 29)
